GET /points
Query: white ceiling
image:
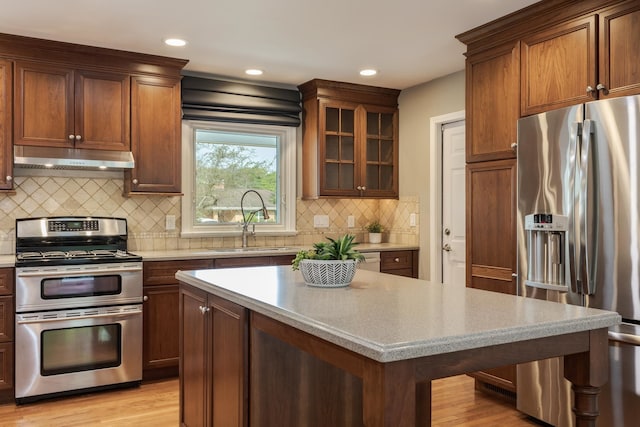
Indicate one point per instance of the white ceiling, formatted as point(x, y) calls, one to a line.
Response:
point(408, 41)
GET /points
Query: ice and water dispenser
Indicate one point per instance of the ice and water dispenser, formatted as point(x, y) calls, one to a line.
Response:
point(546, 236)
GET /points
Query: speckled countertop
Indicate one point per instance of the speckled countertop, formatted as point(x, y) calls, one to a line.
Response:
point(252, 251)
point(388, 318)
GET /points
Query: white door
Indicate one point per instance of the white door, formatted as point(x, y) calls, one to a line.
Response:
point(453, 204)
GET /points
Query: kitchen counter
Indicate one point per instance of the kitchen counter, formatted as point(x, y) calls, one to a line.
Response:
point(178, 254)
point(7, 261)
point(420, 331)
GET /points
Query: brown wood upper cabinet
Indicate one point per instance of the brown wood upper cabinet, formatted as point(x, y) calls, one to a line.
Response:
point(156, 136)
point(350, 142)
point(560, 65)
point(6, 108)
point(65, 107)
point(492, 103)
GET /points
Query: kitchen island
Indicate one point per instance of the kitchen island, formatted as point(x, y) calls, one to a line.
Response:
point(259, 347)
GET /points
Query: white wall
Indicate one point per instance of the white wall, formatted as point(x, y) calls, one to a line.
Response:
point(417, 105)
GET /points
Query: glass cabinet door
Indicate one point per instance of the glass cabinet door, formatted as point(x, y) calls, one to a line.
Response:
point(380, 173)
point(339, 168)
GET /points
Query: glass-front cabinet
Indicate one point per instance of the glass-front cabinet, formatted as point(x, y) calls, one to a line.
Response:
point(350, 145)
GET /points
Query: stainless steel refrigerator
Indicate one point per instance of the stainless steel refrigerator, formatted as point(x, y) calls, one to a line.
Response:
point(579, 243)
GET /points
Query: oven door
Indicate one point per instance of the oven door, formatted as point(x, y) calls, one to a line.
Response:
point(60, 287)
point(61, 351)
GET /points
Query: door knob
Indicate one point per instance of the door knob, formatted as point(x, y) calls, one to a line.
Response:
point(447, 231)
point(447, 248)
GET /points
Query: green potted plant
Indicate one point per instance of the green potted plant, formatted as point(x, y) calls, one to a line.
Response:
point(375, 230)
point(329, 264)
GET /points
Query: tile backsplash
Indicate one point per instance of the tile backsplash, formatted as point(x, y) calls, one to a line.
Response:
point(38, 196)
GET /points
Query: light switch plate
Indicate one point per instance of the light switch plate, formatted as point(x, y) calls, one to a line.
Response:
point(170, 222)
point(412, 220)
point(321, 221)
point(351, 221)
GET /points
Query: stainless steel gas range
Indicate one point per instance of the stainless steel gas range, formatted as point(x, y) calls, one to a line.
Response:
point(78, 307)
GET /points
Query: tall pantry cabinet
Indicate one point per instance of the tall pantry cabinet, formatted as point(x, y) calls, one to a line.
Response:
point(549, 55)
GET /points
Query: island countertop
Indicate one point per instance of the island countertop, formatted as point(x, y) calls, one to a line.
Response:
point(388, 318)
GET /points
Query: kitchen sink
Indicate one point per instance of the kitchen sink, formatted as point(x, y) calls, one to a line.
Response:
point(254, 249)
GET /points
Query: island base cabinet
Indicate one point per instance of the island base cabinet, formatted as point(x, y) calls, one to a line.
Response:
point(213, 360)
point(310, 392)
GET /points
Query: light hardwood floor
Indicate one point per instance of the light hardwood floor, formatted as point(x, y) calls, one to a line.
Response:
point(455, 403)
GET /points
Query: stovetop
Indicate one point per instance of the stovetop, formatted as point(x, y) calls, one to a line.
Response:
point(74, 257)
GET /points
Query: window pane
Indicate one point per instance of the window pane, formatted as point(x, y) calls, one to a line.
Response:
point(348, 150)
point(372, 150)
point(228, 164)
point(332, 120)
point(347, 121)
point(373, 127)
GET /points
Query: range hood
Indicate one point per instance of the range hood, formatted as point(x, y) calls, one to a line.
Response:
point(71, 158)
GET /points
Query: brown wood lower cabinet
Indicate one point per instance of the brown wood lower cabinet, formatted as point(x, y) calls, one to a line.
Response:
point(6, 334)
point(400, 263)
point(213, 343)
point(160, 350)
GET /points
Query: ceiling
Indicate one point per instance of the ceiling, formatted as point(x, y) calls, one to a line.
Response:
point(408, 41)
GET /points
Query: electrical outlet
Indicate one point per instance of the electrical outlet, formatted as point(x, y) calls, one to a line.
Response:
point(412, 220)
point(321, 221)
point(351, 221)
point(170, 222)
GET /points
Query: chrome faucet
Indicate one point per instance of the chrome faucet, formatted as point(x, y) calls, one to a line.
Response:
point(252, 214)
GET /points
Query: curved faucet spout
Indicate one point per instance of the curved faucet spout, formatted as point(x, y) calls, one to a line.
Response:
point(246, 220)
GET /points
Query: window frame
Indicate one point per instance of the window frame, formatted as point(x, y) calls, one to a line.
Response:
point(287, 180)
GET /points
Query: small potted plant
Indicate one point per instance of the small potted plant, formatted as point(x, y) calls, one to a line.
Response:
point(329, 264)
point(375, 230)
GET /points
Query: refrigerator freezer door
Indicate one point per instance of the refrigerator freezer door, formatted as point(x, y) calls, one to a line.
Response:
point(616, 136)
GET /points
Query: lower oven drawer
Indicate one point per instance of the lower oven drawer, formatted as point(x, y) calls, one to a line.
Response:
point(66, 350)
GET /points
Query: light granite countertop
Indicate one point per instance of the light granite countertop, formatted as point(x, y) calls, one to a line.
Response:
point(388, 318)
point(178, 254)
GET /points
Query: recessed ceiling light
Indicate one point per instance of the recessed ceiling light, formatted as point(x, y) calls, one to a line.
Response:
point(175, 42)
point(368, 72)
point(253, 72)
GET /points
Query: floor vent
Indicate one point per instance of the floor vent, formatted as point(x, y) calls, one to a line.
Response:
point(490, 388)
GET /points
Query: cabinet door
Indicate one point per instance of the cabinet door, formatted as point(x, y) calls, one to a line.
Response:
point(559, 66)
point(102, 110)
point(6, 142)
point(43, 105)
point(619, 43)
point(491, 225)
point(155, 136)
point(160, 349)
point(229, 356)
point(6, 372)
point(338, 151)
point(6, 319)
point(195, 374)
point(493, 103)
point(379, 160)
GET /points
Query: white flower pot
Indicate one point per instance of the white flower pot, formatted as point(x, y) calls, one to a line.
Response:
point(375, 237)
point(327, 273)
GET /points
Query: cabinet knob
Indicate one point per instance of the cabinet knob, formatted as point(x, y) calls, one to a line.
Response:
point(364, 188)
point(600, 86)
point(78, 137)
point(9, 178)
point(72, 137)
point(396, 260)
point(135, 182)
point(514, 145)
point(359, 188)
point(590, 89)
point(203, 310)
point(145, 298)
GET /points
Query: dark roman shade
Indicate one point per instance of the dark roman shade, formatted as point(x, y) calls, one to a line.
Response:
point(224, 101)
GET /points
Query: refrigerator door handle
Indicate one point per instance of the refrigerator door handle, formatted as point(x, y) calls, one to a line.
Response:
point(586, 265)
point(573, 235)
point(624, 338)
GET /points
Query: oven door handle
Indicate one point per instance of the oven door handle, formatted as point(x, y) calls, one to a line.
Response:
point(89, 316)
point(70, 272)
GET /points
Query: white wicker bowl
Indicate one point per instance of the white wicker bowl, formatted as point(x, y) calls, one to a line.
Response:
point(327, 273)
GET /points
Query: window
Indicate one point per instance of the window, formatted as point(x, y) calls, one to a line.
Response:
point(221, 162)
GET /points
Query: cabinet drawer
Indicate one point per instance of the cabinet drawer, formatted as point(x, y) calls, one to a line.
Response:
point(256, 261)
point(6, 281)
point(163, 272)
point(396, 260)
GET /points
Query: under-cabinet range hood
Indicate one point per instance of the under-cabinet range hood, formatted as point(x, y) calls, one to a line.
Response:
point(71, 158)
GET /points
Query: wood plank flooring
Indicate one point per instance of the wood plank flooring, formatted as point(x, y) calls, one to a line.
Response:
point(455, 403)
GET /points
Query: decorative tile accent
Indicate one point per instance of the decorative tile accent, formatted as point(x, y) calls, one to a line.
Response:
point(60, 196)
